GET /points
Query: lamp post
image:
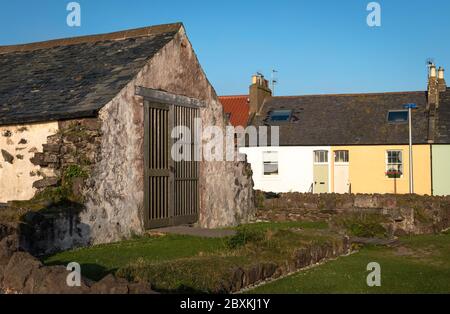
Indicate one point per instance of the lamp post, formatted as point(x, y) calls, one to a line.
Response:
point(410, 107)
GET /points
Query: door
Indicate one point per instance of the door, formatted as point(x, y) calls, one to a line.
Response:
point(341, 172)
point(321, 172)
point(171, 187)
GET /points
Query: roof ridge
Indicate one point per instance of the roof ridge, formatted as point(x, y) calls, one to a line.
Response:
point(233, 96)
point(119, 35)
point(352, 94)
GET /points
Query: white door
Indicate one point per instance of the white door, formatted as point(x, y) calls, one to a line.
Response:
point(341, 172)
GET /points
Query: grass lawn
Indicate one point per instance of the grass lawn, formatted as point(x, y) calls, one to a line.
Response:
point(420, 264)
point(98, 261)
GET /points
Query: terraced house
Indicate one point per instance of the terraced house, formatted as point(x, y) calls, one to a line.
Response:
point(352, 142)
point(90, 118)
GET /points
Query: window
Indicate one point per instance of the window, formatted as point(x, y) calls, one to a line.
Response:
point(270, 160)
point(280, 115)
point(321, 157)
point(398, 116)
point(394, 164)
point(341, 156)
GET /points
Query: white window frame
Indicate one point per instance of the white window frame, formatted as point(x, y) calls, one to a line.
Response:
point(321, 162)
point(341, 162)
point(273, 161)
point(388, 164)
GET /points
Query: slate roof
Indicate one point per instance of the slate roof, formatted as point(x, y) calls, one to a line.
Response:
point(354, 119)
point(442, 134)
point(75, 77)
point(238, 107)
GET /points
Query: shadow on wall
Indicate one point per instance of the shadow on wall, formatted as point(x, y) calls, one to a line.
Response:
point(53, 229)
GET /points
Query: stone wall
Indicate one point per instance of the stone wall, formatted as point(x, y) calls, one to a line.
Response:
point(53, 231)
point(115, 197)
point(406, 214)
point(21, 273)
point(18, 144)
point(71, 154)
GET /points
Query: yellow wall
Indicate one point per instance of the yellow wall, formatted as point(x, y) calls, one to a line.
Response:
point(367, 168)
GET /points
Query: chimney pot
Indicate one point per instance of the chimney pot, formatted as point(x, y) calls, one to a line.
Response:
point(442, 85)
point(441, 73)
point(432, 71)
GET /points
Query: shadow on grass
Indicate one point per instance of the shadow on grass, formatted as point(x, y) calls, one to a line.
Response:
point(91, 271)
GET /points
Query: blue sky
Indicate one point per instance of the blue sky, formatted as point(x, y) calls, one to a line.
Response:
point(317, 46)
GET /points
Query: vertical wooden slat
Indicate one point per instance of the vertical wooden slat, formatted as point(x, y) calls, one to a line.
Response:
point(171, 198)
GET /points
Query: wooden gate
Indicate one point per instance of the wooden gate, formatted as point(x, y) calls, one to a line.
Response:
point(171, 187)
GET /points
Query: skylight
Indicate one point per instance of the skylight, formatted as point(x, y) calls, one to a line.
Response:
point(280, 115)
point(398, 116)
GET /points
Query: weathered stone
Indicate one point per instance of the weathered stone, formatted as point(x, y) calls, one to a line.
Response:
point(77, 186)
point(110, 285)
point(46, 182)
point(364, 201)
point(237, 279)
point(8, 246)
point(7, 156)
point(19, 268)
point(389, 202)
point(51, 148)
point(269, 269)
point(52, 280)
point(50, 158)
point(38, 160)
point(49, 233)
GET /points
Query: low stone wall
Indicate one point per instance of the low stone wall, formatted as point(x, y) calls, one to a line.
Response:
point(407, 214)
point(21, 273)
point(243, 278)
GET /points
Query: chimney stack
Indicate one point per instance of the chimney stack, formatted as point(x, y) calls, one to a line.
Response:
point(442, 85)
point(259, 91)
point(433, 90)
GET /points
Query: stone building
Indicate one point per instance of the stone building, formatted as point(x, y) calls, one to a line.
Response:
point(88, 118)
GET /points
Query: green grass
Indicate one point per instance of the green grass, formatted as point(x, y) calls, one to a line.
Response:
point(211, 273)
point(421, 264)
point(98, 261)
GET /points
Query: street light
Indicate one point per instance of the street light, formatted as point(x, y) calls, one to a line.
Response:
point(410, 107)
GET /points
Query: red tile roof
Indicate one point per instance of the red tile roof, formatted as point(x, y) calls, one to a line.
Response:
point(238, 107)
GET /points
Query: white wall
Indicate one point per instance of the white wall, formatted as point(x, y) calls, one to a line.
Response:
point(22, 141)
point(295, 168)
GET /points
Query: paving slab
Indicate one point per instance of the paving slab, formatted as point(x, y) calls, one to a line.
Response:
point(194, 231)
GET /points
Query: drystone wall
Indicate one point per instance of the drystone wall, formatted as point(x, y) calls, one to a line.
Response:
point(71, 153)
point(405, 214)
